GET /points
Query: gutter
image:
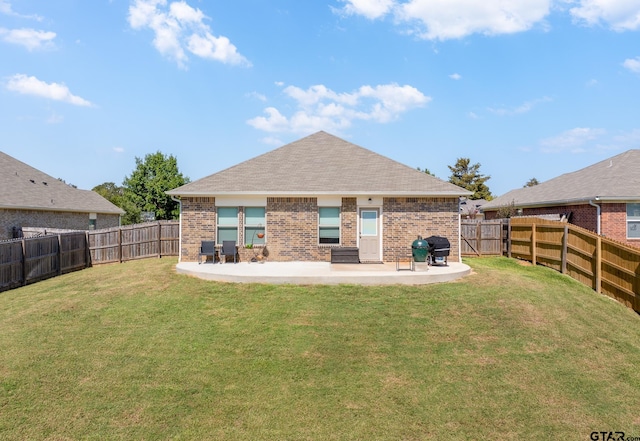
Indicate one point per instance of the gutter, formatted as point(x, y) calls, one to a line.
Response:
point(179, 201)
point(597, 214)
point(601, 199)
point(323, 193)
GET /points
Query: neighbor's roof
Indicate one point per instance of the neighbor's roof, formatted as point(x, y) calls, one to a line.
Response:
point(320, 164)
point(26, 188)
point(614, 179)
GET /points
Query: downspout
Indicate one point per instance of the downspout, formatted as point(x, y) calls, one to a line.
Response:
point(459, 230)
point(179, 201)
point(597, 214)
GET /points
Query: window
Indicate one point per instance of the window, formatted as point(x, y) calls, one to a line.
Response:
point(329, 225)
point(633, 221)
point(227, 224)
point(369, 221)
point(254, 222)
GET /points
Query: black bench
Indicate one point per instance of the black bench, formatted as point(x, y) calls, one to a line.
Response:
point(345, 255)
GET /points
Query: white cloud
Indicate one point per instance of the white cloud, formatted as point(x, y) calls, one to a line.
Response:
point(450, 19)
point(320, 108)
point(179, 28)
point(619, 15)
point(633, 64)
point(29, 38)
point(455, 76)
point(442, 20)
point(572, 140)
point(372, 9)
point(256, 95)
point(6, 9)
point(32, 86)
point(118, 149)
point(523, 108)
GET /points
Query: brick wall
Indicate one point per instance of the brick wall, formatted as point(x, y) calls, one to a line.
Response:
point(198, 224)
point(292, 232)
point(613, 219)
point(349, 230)
point(583, 215)
point(614, 223)
point(407, 218)
point(51, 219)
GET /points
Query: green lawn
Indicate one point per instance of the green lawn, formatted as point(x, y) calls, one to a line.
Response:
point(135, 352)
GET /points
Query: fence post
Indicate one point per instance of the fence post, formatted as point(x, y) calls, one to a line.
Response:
point(159, 240)
point(509, 238)
point(24, 262)
point(565, 247)
point(87, 250)
point(120, 244)
point(479, 238)
point(533, 243)
point(59, 254)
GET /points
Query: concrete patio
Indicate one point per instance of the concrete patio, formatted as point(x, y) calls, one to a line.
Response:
point(324, 273)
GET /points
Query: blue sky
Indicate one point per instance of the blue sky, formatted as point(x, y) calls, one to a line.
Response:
point(527, 88)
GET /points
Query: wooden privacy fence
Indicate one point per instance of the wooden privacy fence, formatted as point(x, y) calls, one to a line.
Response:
point(607, 266)
point(156, 239)
point(483, 238)
point(29, 260)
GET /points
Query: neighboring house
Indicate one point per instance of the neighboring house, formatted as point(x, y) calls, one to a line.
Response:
point(31, 198)
point(314, 194)
point(471, 208)
point(604, 198)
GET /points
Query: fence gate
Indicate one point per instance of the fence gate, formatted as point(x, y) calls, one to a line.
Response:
point(482, 238)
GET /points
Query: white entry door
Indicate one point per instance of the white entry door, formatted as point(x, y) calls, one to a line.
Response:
point(370, 234)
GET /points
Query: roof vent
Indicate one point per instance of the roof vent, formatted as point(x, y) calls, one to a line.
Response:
point(32, 181)
point(45, 183)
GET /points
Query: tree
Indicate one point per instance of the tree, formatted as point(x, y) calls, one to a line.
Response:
point(146, 188)
point(65, 182)
point(426, 170)
point(469, 177)
point(115, 194)
point(507, 211)
point(531, 183)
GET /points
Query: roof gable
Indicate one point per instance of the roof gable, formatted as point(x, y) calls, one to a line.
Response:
point(616, 178)
point(24, 187)
point(320, 164)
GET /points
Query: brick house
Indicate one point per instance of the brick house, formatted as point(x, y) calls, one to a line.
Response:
point(31, 198)
point(302, 199)
point(603, 198)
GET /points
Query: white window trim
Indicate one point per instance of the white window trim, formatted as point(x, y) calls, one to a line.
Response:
point(629, 220)
point(237, 226)
point(339, 207)
point(245, 225)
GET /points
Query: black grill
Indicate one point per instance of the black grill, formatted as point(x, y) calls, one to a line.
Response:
point(439, 248)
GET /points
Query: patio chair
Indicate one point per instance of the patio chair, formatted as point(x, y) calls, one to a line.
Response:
point(207, 248)
point(228, 249)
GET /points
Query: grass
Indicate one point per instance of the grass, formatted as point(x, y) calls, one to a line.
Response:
point(134, 351)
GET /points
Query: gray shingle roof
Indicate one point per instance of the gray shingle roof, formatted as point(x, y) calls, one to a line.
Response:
point(614, 179)
point(24, 187)
point(320, 164)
